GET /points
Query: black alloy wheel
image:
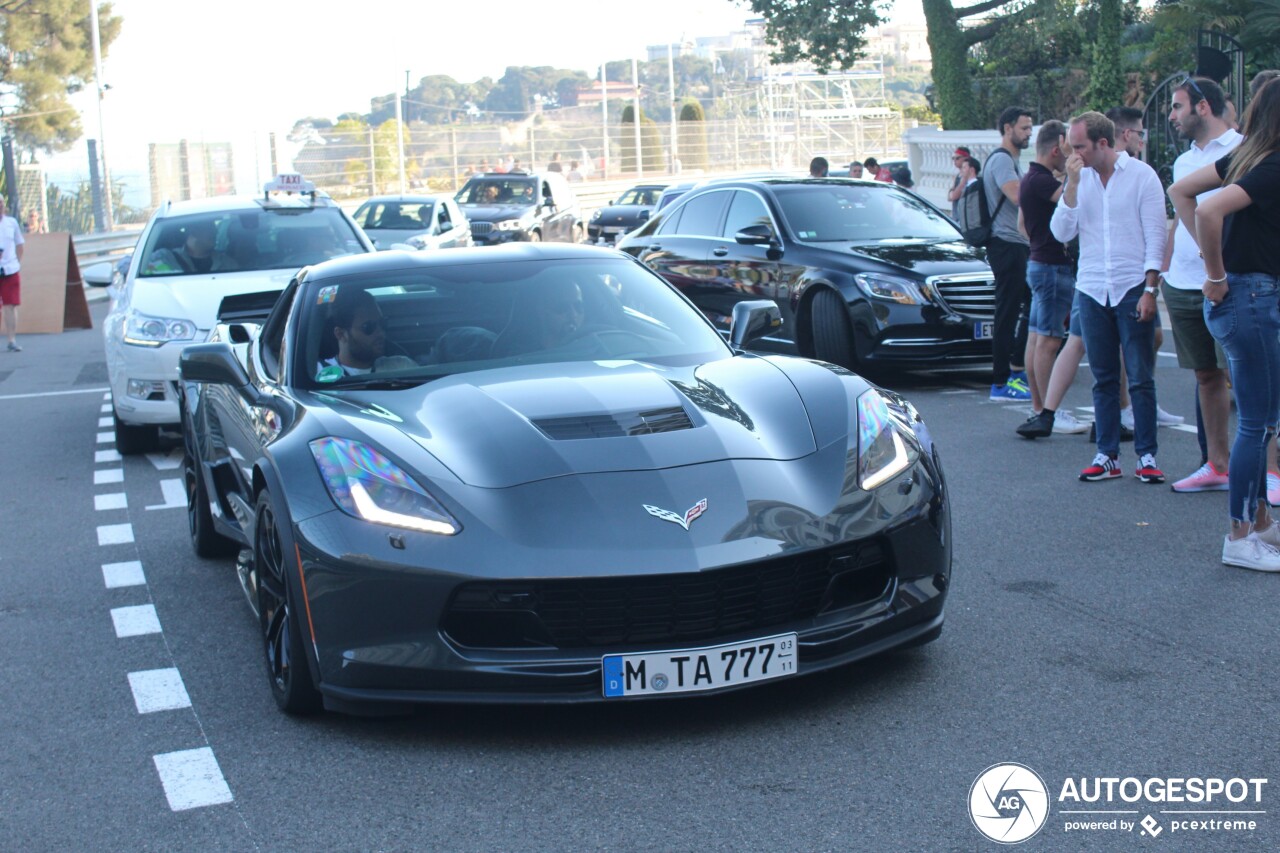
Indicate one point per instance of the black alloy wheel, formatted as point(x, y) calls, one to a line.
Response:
point(205, 540)
point(282, 642)
point(832, 331)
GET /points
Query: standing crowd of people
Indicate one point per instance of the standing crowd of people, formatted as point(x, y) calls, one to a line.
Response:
point(1081, 247)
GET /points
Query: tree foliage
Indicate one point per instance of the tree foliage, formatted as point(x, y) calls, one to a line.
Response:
point(46, 55)
point(650, 142)
point(828, 33)
point(1106, 77)
point(693, 136)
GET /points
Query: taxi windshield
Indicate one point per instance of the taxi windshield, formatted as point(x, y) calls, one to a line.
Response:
point(498, 190)
point(246, 240)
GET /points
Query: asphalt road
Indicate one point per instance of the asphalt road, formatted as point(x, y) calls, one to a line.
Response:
point(1091, 632)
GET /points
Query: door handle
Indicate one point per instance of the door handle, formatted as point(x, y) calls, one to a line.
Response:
point(720, 252)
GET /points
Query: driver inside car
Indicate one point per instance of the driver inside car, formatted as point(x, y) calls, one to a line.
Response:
point(560, 314)
point(356, 335)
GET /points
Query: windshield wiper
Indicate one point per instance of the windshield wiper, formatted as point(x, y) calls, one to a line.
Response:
point(387, 384)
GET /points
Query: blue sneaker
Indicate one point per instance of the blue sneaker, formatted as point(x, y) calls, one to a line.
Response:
point(1010, 392)
point(1019, 377)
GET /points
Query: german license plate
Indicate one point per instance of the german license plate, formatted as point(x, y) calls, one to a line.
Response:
point(697, 670)
point(982, 330)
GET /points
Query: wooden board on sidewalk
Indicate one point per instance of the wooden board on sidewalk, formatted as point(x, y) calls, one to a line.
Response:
point(52, 292)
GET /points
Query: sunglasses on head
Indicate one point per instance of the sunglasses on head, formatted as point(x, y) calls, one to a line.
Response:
point(1190, 81)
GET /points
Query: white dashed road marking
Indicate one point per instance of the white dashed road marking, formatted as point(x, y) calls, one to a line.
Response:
point(158, 690)
point(116, 575)
point(175, 496)
point(106, 408)
point(106, 437)
point(108, 475)
point(191, 779)
point(115, 534)
point(107, 456)
point(166, 461)
point(54, 394)
point(136, 621)
point(115, 500)
point(105, 422)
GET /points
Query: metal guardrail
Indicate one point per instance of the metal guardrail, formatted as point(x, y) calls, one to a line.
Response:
point(92, 248)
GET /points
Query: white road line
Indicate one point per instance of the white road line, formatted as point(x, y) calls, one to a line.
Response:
point(108, 475)
point(191, 779)
point(114, 500)
point(158, 690)
point(106, 396)
point(135, 621)
point(115, 534)
point(175, 496)
point(116, 575)
point(107, 456)
point(166, 461)
point(105, 422)
point(106, 408)
point(106, 437)
point(54, 394)
point(1184, 428)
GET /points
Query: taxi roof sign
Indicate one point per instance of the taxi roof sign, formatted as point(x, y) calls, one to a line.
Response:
point(289, 182)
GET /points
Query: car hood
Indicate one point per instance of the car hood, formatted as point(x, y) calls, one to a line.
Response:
point(507, 427)
point(496, 212)
point(925, 258)
point(622, 213)
point(197, 297)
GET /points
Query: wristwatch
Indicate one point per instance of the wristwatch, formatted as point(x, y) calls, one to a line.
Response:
point(1153, 289)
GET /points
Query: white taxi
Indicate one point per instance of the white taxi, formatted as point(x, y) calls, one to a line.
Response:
point(190, 256)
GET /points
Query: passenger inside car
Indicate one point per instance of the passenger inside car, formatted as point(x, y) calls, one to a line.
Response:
point(356, 339)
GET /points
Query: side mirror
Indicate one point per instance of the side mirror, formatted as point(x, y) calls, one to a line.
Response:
point(644, 215)
point(217, 364)
point(756, 235)
point(99, 274)
point(752, 321)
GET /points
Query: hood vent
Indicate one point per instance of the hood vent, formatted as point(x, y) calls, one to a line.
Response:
point(615, 426)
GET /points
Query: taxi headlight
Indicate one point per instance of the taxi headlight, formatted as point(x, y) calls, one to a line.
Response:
point(882, 452)
point(904, 291)
point(143, 330)
point(369, 486)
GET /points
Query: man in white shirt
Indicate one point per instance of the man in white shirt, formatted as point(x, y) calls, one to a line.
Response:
point(1115, 204)
point(1199, 114)
point(11, 241)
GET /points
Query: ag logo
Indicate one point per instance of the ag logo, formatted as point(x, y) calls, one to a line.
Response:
point(1008, 803)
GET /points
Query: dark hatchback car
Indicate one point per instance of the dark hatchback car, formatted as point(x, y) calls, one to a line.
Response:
point(521, 207)
point(550, 481)
point(864, 273)
point(625, 213)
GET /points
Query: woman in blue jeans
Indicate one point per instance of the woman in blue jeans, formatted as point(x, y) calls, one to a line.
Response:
point(1238, 231)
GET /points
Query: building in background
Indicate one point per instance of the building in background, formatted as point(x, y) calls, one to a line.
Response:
point(185, 170)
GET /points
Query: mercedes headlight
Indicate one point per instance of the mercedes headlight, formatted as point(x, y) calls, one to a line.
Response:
point(882, 453)
point(369, 486)
point(904, 291)
point(145, 331)
point(595, 216)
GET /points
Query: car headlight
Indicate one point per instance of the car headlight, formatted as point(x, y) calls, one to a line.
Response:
point(901, 290)
point(509, 225)
point(145, 331)
point(369, 486)
point(882, 453)
point(596, 215)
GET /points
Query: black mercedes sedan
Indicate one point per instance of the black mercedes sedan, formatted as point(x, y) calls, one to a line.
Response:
point(625, 213)
point(865, 274)
point(537, 474)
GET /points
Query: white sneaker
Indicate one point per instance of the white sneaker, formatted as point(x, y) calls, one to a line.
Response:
point(1126, 417)
point(1164, 418)
point(1250, 553)
point(1270, 536)
point(1065, 422)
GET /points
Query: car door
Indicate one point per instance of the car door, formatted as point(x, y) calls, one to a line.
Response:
point(678, 251)
point(556, 225)
point(750, 271)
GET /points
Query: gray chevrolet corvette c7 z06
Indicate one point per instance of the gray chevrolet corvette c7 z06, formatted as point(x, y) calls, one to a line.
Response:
point(538, 474)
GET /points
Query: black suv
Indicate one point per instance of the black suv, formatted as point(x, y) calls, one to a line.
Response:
point(864, 273)
point(521, 206)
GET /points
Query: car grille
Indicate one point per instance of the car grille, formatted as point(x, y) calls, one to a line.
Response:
point(481, 229)
point(614, 426)
point(972, 295)
point(673, 609)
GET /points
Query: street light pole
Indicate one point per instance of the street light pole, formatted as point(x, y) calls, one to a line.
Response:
point(635, 83)
point(675, 144)
point(97, 79)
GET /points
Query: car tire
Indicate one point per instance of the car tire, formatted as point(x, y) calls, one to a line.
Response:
point(832, 331)
point(535, 236)
point(284, 649)
point(132, 440)
point(578, 234)
point(205, 540)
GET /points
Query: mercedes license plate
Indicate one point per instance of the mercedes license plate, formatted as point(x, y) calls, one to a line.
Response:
point(695, 670)
point(982, 330)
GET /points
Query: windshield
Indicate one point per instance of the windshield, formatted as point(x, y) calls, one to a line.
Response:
point(395, 215)
point(247, 240)
point(647, 196)
point(498, 190)
point(407, 327)
point(836, 212)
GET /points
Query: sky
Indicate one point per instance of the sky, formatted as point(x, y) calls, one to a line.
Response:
point(246, 67)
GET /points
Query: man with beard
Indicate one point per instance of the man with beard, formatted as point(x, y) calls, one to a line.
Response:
point(355, 329)
point(1007, 252)
point(1198, 114)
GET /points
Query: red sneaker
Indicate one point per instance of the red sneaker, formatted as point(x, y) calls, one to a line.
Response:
point(1104, 467)
point(1147, 471)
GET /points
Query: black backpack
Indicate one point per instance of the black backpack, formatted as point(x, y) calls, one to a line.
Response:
point(975, 217)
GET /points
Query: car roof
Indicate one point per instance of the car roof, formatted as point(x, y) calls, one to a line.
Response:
point(220, 203)
point(410, 198)
point(397, 260)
